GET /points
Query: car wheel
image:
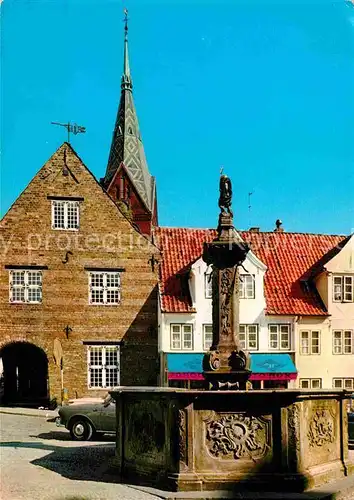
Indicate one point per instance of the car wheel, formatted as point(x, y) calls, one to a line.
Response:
point(81, 430)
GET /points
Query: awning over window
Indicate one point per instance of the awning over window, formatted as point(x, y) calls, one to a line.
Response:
point(272, 366)
point(265, 366)
point(186, 366)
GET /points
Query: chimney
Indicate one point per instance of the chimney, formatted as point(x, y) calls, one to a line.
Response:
point(278, 228)
point(254, 229)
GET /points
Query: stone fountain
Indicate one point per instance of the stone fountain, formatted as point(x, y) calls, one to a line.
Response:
point(228, 438)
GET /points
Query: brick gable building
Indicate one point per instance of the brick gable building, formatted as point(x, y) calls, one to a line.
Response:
point(75, 274)
point(78, 275)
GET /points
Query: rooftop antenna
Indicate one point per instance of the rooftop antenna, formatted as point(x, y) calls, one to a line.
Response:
point(249, 207)
point(72, 128)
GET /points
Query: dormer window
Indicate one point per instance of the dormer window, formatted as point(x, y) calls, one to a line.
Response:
point(343, 287)
point(247, 286)
point(65, 214)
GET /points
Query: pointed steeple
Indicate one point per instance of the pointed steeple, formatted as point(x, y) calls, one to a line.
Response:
point(127, 83)
point(127, 150)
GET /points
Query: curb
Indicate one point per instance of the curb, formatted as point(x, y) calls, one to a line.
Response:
point(29, 412)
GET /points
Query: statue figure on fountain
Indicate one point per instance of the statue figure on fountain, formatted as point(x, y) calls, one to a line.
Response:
point(225, 197)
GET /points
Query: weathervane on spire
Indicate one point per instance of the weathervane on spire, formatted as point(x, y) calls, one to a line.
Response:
point(126, 23)
point(72, 128)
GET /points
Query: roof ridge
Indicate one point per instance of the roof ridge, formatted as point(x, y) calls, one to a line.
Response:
point(254, 232)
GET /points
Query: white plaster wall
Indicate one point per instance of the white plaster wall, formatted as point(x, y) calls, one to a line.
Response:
point(325, 365)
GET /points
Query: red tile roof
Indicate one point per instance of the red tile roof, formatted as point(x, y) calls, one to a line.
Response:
point(289, 257)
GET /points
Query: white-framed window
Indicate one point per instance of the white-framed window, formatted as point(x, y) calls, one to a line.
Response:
point(279, 337)
point(207, 336)
point(208, 285)
point(25, 286)
point(343, 342)
point(104, 287)
point(310, 383)
point(65, 214)
point(182, 337)
point(103, 366)
point(343, 383)
point(310, 342)
point(248, 337)
point(343, 288)
point(247, 286)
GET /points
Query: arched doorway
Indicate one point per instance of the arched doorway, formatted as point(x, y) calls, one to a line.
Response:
point(25, 374)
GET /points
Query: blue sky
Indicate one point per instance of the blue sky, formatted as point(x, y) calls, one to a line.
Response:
point(265, 89)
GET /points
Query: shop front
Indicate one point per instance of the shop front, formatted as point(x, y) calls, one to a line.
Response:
point(269, 370)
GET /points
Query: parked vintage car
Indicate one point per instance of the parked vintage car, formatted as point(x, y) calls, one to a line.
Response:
point(351, 428)
point(87, 419)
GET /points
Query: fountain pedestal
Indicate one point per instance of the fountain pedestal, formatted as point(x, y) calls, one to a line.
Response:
point(180, 440)
point(226, 366)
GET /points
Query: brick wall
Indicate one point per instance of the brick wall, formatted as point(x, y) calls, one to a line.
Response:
point(105, 239)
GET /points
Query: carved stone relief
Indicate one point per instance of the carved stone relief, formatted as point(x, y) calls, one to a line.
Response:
point(321, 428)
point(182, 427)
point(294, 433)
point(226, 291)
point(237, 436)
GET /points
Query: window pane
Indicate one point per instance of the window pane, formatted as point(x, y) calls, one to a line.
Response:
point(97, 296)
point(95, 377)
point(18, 294)
point(338, 383)
point(176, 328)
point(35, 294)
point(187, 328)
point(208, 284)
point(58, 221)
point(273, 328)
point(315, 342)
point(348, 288)
point(113, 296)
point(242, 337)
point(284, 337)
point(111, 356)
point(348, 342)
point(96, 356)
point(73, 214)
point(252, 341)
point(305, 342)
point(113, 280)
point(18, 277)
point(208, 336)
point(304, 384)
point(34, 278)
point(111, 377)
point(348, 383)
point(96, 279)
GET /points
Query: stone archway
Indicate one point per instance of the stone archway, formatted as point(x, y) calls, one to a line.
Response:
point(25, 374)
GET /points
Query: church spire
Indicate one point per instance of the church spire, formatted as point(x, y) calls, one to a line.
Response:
point(127, 176)
point(127, 83)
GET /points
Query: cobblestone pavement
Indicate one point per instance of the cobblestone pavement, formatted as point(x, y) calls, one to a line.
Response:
point(40, 461)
